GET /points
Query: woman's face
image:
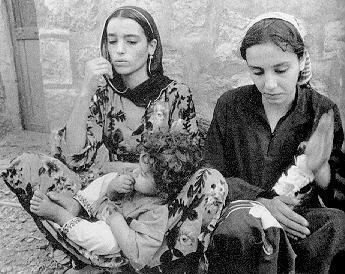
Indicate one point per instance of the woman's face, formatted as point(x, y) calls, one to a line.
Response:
point(274, 72)
point(144, 181)
point(128, 46)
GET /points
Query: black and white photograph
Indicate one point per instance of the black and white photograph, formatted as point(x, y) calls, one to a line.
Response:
point(172, 136)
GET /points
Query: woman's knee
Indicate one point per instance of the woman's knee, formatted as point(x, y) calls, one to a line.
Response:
point(213, 181)
point(327, 218)
point(337, 222)
point(237, 235)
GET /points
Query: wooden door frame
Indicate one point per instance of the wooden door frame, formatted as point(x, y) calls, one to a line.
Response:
point(32, 113)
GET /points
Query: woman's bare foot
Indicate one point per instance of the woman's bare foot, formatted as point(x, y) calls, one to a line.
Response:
point(42, 206)
point(66, 201)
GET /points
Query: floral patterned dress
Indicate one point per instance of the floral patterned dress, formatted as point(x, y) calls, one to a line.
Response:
point(114, 119)
point(192, 215)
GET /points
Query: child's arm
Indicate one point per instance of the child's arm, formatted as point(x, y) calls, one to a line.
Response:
point(141, 239)
point(119, 227)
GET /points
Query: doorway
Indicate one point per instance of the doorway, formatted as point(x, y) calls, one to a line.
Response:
point(25, 40)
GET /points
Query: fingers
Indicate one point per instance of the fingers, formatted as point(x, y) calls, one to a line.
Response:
point(287, 212)
point(325, 131)
point(288, 200)
point(99, 66)
point(320, 144)
point(94, 69)
point(294, 223)
point(127, 183)
point(293, 227)
point(293, 234)
point(330, 135)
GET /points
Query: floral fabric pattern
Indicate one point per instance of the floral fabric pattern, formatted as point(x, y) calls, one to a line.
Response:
point(110, 121)
point(30, 172)
point(192, 216)
point(68, 226)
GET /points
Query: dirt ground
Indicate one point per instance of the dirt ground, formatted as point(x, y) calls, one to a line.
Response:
point(23, 248)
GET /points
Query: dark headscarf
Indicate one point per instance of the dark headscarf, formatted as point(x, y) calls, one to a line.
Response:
point(151, 88)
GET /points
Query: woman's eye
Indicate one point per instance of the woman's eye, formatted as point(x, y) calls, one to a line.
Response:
point(111, 42)
point(280, 71)
point(132, 42)
point(258, 72)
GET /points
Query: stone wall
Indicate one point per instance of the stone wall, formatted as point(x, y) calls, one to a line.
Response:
point(200, 40)
point(9, 107)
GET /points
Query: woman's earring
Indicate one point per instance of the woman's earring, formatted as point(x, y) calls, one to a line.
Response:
point(150, 60)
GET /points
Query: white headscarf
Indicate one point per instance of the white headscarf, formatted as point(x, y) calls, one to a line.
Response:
point(306, 73)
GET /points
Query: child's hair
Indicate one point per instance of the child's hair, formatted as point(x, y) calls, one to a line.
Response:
point(281, 33)
point(174, 158)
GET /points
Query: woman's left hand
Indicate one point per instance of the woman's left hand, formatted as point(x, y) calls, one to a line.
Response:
point(295, 225)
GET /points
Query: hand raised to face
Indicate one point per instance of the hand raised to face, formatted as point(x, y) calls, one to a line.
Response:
point(94, 71)
point(319, 147)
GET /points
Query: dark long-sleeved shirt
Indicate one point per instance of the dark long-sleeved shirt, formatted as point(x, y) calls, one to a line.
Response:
point(240, 142)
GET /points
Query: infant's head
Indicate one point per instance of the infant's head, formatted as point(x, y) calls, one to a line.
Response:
point(170, 159)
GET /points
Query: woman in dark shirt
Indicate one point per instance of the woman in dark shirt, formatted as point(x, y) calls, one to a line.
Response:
point(254, 136)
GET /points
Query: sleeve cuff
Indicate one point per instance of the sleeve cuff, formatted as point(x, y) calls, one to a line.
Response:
point(84, 203)
point(66, 228)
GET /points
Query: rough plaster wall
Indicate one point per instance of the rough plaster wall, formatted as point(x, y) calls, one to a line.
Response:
point(9, 108)
point(200, 40)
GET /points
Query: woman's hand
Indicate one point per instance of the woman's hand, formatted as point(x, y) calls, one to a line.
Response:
point(281, 208)
point(319, 147)
point(94, 69)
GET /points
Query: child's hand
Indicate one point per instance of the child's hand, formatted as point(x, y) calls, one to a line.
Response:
point(112, 214)
point(121, 184)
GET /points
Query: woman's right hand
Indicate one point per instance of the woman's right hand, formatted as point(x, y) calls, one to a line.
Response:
point(94, 69)
point(281, 207)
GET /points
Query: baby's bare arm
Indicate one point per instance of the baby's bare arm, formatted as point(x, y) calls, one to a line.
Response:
point(119, 228)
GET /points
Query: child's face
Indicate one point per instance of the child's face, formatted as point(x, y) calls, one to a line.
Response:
point(144, 181)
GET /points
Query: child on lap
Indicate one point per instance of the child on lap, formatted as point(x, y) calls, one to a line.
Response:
point(130, 208)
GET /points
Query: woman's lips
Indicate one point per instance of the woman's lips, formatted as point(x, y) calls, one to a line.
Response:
point(120, 63)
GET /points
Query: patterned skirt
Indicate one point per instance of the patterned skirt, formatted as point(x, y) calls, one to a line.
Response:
point(193, 214)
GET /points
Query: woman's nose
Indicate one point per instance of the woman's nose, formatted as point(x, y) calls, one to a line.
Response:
point(270, 81)
point(120, 47)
